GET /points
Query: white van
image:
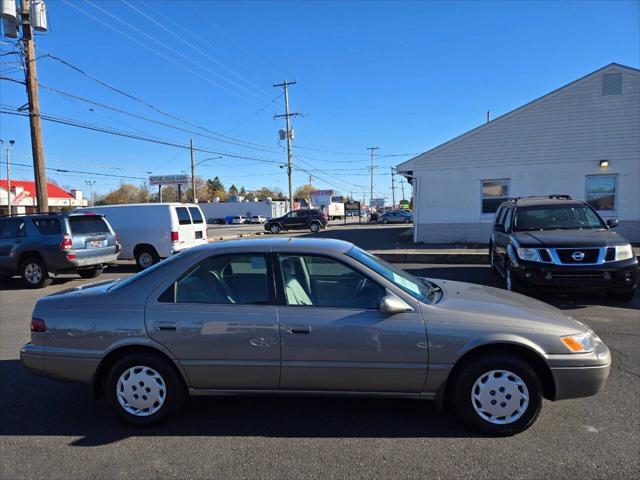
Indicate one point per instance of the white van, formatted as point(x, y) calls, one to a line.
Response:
point(149, 232)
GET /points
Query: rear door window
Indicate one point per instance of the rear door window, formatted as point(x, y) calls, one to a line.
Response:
point(183, 216)
point(85, 224)
point(196, 215)
point(47, 226)
point(12, 228)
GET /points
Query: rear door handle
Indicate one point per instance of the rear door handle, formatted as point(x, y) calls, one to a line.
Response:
point(299, 330)
point(165, 326)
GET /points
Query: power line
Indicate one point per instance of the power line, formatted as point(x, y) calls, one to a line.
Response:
point(64, 170)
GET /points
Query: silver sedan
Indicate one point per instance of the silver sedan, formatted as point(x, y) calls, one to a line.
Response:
point(313, 317)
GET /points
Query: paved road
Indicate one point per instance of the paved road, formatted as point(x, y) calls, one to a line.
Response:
point(53, 430)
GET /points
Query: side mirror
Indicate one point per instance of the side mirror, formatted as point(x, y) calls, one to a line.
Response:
point(498, 227)
point(392, 305)
point(612, 222)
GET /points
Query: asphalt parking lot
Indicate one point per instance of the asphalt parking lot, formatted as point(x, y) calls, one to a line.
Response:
point(54, 430)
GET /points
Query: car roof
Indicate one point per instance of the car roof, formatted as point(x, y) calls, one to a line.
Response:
point(528, 202)
point(312, 244)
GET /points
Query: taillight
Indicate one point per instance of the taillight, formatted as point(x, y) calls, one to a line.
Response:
point(174, 236)
point(66, 242)
point(38, 325)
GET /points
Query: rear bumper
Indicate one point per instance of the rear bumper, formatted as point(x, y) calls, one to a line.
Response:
point(44, 362)
point(613, 275)
point(59, 263)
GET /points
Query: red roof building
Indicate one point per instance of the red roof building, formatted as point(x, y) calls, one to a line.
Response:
point(23, 196)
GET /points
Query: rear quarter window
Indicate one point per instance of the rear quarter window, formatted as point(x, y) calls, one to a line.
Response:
point(84, 224)
point(47, 226)
point(196, 215)
point(183, 216)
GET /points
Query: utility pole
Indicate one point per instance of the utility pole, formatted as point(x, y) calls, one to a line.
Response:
point(8, 152)
point(289, 133)
point(371, 168)
point(393, 188)
point(402, 186)
point(193, 176)
point(35, 126)
point(91, 183)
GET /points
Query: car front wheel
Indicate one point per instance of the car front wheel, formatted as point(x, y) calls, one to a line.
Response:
point(625, 295)
point(500, 395)
point(511, 281)
point(144, 389)
point(34, 273)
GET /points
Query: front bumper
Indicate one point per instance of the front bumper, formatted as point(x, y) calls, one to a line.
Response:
point(610, 275)
point(580, 375)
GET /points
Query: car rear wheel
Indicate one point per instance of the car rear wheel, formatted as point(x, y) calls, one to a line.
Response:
point(275, 228)
point(145, 257)
point(500, 395)
point(34, 273)
point(385, 221)
point(406, 220)
point(625, 295)
point(314, 227)
point(92, 272)
point(144, 389)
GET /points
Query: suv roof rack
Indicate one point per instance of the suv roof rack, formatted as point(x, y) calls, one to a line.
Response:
point(555, 196)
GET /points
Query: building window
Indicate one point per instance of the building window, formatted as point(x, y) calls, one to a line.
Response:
point(494, 192)
point(601, 192)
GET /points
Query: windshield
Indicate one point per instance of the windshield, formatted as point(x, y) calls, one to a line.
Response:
point(556, 217)
point(134, 278)
point(415, 287)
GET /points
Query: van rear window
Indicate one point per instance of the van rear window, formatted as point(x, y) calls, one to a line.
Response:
point(83, 224)
point(183, 216)
point(196, 215)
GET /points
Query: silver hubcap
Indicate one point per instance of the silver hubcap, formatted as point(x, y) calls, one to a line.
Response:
point(33, 273)
point(500, 397)
point(141, 391)
point(314, 228)
point(275, 229)
point(145, 259)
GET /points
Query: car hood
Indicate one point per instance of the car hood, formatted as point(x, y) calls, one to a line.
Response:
point(569, 238)
point(494, 306)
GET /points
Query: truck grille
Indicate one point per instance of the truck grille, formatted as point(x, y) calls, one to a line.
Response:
point(584, 275)
point(577, 256)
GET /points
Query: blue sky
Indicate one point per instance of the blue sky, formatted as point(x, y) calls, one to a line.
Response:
point(404, 76)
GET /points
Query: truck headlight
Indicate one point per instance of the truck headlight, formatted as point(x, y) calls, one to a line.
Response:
point(624, 252)
point(528, 254)
point(580, 343)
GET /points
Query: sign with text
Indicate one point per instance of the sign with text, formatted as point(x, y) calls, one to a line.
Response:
point(169, 180)
point(351, 206)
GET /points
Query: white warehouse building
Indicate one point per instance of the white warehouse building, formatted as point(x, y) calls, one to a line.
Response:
point(582, 140)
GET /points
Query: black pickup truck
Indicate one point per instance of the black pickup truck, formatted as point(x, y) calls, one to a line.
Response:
point(562, 243)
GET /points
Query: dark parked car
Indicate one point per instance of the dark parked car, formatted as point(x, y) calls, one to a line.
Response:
point(562, 243)
point(33, 246)
point(312, 219)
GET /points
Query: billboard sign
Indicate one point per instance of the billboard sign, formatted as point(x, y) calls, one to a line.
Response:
point(376, 202)
point(351, 206)
point(169, 180)
point(320, 197)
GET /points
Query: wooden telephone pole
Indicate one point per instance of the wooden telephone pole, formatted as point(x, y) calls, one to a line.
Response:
point(35, 126)
point(286, 116)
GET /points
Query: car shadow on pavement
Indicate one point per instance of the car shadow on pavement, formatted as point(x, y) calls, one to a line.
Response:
point(34, 406)
point(482, 275)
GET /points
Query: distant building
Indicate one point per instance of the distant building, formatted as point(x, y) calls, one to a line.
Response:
point(582, 140)
point(23, 197)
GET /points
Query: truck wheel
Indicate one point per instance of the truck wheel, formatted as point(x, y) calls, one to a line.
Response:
point(92, 272)
point(511, 282)
point(144, 389)
point(146, 256)
point(498, 394)
point(622, 295)
point(34, 273)
point(275, 228)
point(314, 227)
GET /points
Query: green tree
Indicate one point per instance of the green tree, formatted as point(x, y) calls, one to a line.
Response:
point(233, 190)
point(303, 191)
point(215, 188)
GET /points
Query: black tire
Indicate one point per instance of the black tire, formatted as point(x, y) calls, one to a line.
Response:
point(385, 221)
point(174, 390)
point(92, 272)
point(34, 273)
point(492, 259)
point(406, 220)
point(275, 228)
point(146, 256)
point(625, 295)
point(479, 368)
point(512, 282)
point(314, 227)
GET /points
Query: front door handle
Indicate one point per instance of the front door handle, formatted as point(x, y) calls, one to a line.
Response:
point(299, 330)
point(166, 326)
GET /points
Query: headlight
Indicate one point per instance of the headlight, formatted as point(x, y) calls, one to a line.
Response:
point(528, 254)
point(624, 252)
point(580, 343)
